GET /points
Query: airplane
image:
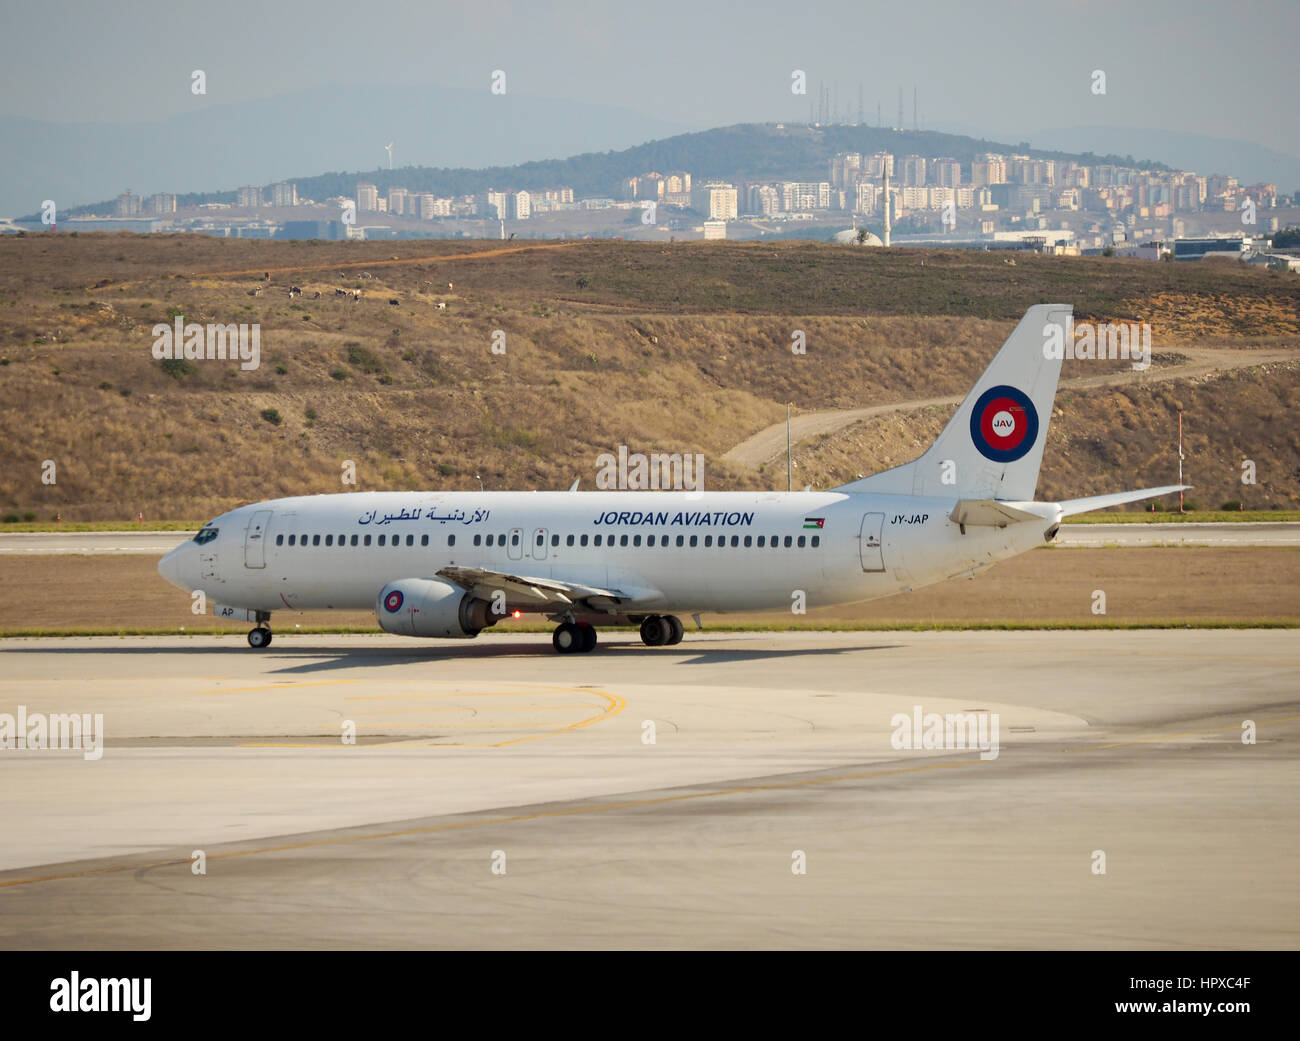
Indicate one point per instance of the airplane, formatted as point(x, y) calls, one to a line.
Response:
point(451, 564)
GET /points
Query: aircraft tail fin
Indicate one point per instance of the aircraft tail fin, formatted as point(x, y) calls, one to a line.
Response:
point(993, 446)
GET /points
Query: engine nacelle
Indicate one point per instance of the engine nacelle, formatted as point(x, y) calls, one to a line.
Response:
point(431, 607)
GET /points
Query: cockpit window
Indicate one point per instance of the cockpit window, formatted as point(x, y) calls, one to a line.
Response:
point(206, 535)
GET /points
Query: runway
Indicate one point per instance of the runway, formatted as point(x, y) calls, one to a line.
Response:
point(156, 543)
point(1233, 533)
point(495, 753)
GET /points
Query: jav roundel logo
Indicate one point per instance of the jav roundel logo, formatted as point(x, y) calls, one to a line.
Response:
point(1004, 424)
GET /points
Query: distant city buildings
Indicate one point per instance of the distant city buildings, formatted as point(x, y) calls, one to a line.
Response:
point(717, 201)
point(367, 198)
point(159, 204)
point(1025, 198)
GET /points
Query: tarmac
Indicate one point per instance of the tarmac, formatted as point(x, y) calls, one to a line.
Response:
point(739, 790)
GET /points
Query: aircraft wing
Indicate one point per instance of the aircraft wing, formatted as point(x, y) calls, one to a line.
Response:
point(541, 591)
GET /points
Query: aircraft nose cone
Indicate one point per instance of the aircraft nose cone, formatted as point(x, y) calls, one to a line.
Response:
point(169, 568)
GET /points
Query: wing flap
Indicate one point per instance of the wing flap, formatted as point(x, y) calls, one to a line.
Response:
point(483, 582)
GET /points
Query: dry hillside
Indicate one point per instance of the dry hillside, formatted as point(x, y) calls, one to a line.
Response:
point(662, 348)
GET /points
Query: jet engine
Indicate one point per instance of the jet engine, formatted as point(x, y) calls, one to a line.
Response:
point(431, 607)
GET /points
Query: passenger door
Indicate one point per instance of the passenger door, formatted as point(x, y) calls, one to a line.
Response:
point(255, 539)
point(869, 547)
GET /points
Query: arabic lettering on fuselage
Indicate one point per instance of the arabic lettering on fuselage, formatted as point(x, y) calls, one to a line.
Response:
point(697, 519)
point(373, 517)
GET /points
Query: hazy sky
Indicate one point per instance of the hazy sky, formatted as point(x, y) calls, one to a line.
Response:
point(1227, 70)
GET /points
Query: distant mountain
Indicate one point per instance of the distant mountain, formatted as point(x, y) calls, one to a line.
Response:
point(220, 147)
point(1249, 163)
point(746, 152)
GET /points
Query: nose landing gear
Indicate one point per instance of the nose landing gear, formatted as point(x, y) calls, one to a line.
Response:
point(260, 637)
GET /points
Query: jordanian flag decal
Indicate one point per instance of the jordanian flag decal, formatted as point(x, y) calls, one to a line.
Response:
point(814, 522)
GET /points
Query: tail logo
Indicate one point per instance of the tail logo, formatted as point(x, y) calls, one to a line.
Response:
point(1004, 424)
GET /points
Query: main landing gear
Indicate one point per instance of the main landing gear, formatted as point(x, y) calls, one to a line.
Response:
point(574, 638)
point(662, 630)
point(260, 637)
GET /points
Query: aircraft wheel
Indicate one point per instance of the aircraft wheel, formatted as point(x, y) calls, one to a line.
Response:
point(678, 632)
point(588, 633)
point(567, 639)
point(259, 637)
point(655, 631)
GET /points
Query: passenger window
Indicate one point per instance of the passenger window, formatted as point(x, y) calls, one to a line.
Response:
point(622, 540)
point(760, 542)
point(424, 540)
point(410, 540)
point(636, 540)
point(293, 540)
point(802, 541)
point(382, 539)
point(302, 540)
point(555, 540)
point(478, 540)
point(776, 541)
point(451, 540)
point(354, 540)
point(279, 540)
point(817, 541)
point(541, 539)
point(366, 540)
point(681, 541)
point(329, 540)
point(708, 541)
point(748, 541)
point(597, 541)
point(788, 541)
point(735, 541)
point(568, 540)
point(582, 541)
point(514, 538)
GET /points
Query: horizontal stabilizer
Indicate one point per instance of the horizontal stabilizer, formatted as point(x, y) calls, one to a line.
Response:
point(1099, 502)
point(989, 513)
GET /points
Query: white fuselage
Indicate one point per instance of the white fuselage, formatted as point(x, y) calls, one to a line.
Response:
point(676, 551)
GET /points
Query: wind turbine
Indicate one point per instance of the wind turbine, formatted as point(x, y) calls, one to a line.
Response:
point(389, 149)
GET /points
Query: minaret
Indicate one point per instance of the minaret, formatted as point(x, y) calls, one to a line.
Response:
point(885, 200)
